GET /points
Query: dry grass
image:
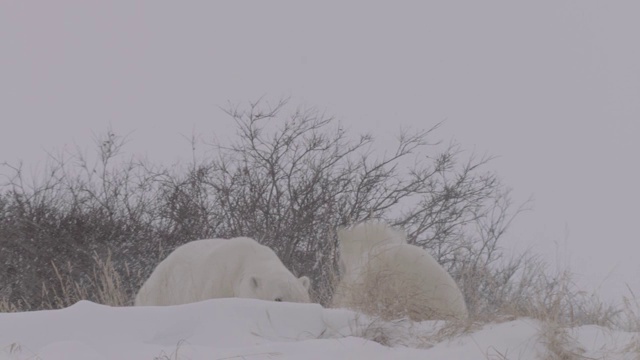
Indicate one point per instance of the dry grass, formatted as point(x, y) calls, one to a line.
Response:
point(559, 305)
point(633, 347)
point(381, 331)
point(630, 313)
point(407, 333)
point(6, 306)
point(558, 343)
point(105, 285)
point(379, 294)
point(455, 328)
point(108, 284)
point(558, 301)
point(16, 350)
point(538, 293)
point(174, 355)
point(385, 292)
point(398, 332)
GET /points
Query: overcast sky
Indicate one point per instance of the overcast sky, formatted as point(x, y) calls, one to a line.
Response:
point(551, 87)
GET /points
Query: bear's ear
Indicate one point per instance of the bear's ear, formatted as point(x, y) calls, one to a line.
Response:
point(255, 283)
point(305, 282)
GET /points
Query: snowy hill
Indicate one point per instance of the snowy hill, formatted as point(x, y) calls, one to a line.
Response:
point(256, 330)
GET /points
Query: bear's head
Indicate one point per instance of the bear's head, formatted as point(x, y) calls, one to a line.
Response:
point(274, 287)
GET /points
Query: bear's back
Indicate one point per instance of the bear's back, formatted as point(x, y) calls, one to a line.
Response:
point(197, 249)
point(181, 276)
point(358, 241)
point(208, 268)
point(235, 249)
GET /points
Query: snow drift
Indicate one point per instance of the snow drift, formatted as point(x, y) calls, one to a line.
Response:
point(256, 330)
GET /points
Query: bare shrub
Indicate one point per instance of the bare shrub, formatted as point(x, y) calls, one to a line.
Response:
point(291, 182)
point(288, 179)
point(79, 209)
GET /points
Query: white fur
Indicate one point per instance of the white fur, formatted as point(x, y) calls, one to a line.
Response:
point(220, 268)
point(383, 275)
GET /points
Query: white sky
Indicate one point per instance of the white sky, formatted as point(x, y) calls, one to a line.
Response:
point(552, 87)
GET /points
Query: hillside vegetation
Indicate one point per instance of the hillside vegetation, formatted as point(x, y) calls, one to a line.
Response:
point(93, 226)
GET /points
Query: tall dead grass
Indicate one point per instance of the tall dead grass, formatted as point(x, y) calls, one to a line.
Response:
point(6, 306)
point(630, 313)
point(105, 285)
point(558, 343)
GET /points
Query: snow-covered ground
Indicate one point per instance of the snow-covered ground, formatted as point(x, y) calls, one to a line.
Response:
point(256, 330)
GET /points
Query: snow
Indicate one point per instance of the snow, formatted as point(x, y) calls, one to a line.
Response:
point(255, 329)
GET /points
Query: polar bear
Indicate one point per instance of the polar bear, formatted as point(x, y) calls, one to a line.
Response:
point(383, 275)
point(220, 268)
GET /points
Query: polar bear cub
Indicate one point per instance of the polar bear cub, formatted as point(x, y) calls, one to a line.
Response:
point(220, 268)
point(383, 275)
